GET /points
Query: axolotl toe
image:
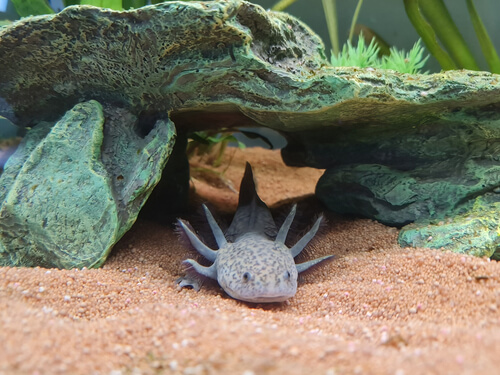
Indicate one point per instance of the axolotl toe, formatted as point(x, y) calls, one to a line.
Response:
point(252, 264)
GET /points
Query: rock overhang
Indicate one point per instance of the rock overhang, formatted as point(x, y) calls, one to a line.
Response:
point(180, 57)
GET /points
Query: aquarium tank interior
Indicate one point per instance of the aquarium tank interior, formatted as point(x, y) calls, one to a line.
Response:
point(234, 187)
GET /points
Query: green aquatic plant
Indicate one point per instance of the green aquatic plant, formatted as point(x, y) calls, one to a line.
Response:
point(32, 7)
point(410, 62)
point(354, 20)
point(211, 142)
point(376, 54)
point(215, 142)
point(487, 47)
point(211, 145)
point(434, 24)
point(282, 5)
point(330, 11)
point(111, 4)
point(37, 7)
point(364, 56)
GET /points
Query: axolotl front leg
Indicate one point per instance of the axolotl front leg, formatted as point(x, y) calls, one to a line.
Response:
point(208, 253)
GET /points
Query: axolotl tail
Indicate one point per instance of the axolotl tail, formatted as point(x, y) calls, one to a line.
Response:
point(252, 215)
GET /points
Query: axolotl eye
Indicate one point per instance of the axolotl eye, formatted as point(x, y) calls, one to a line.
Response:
point(247, 276)
point(287, 275)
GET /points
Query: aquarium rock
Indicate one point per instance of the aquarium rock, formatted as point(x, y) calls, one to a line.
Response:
point(439, 170)
point(397, 148)
point(71, 190)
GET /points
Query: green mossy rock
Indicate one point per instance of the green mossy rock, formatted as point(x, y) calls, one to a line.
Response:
point(441, 168)
point(397, 148)
point(71, 190)
point(477, 232)
point(175, 56)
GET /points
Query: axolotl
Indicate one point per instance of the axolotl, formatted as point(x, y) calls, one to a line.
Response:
point(252, 264)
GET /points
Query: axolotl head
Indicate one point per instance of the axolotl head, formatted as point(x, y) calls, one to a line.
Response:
point(256, 269)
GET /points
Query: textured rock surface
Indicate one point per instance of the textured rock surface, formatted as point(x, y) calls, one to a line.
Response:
point(213, 64)
point(475, 232)
point(171, 56)
point(443, 168)
point(397, 148)
point(413, 172)
point(71, 191)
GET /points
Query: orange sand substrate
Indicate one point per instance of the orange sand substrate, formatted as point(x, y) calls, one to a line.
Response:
point(376, 309)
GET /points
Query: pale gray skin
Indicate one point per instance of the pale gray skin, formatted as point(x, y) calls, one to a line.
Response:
point(253, 264)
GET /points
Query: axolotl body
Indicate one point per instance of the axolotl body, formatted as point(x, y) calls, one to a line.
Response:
point(252, 264)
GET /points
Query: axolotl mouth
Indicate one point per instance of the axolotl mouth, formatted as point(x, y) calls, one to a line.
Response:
point(259, 299)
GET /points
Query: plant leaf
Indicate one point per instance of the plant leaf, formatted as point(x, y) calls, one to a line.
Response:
point(330, 11)
point(439, 18)
point(487, 47)
point(127, 4)
point(32, 7)
point(282, 5)
point(361, 56)
point(354, 20)
point(428, 35)
point(253, 135)
point(200, 137)
point(111, 4)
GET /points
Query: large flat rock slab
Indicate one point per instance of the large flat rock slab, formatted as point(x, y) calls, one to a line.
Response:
point(210, 64)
